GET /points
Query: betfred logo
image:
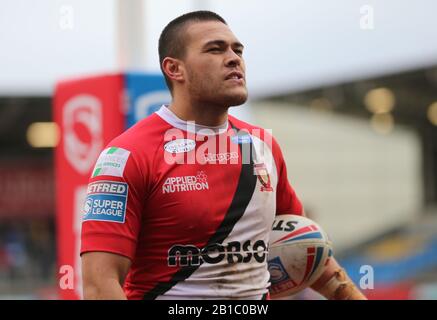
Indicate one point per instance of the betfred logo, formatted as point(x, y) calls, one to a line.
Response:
point(107, 187)
point(234, 252)
point(198, 182)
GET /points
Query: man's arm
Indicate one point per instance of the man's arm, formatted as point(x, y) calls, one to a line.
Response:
point(335, 284)
point(103, 275)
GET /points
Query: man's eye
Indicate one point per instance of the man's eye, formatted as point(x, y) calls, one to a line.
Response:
point(214, 49)
point(239, 52)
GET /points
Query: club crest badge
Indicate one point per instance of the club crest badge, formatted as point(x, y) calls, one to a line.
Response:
point(263, 176)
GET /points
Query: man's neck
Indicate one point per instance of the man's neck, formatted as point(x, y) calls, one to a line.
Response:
point(201, 114)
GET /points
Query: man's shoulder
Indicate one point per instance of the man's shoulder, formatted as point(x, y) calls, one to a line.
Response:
point(143, 135)
point(240, 124)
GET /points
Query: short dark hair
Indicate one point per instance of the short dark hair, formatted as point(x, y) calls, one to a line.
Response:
point(172, 41)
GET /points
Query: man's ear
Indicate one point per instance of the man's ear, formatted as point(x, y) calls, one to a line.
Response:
point(173, 68)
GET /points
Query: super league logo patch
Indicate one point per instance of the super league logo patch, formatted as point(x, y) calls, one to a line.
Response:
point(106, 201)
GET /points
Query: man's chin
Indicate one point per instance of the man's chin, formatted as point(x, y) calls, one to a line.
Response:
point(236, 99)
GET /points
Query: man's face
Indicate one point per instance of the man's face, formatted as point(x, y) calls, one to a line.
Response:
point(214, 64)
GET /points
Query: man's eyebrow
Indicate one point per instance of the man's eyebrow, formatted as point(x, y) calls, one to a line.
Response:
point(223, 43)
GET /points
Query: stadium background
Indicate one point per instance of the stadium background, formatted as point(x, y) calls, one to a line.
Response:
point(348, 87)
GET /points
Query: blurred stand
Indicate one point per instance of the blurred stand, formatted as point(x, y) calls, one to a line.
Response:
point(27, 257)
point(27, 232)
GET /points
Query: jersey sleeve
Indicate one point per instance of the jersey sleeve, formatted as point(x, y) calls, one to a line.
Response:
point(287, 202)
point(113, 208)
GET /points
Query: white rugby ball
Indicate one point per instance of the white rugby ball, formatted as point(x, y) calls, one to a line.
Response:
point(299, 250)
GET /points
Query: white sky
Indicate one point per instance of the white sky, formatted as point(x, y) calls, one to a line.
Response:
point(290, 45)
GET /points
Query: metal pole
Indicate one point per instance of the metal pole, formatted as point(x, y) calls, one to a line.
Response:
point(201, 5)
point(131, 33)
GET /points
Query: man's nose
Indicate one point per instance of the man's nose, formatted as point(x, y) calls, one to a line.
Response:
point(233, 59)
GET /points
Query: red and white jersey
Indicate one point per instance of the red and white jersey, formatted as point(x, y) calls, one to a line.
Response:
point(191, 206)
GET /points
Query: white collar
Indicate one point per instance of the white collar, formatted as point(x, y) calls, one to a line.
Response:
point(190, 126)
